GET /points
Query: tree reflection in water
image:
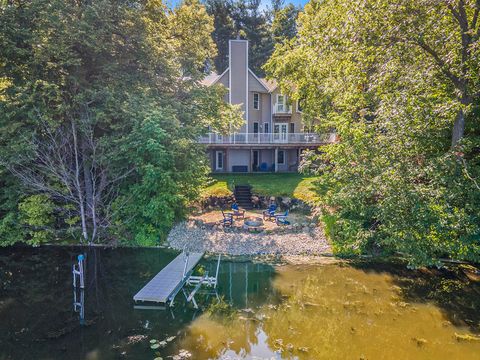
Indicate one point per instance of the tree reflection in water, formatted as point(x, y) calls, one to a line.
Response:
point(335, 311)
point(338, 312)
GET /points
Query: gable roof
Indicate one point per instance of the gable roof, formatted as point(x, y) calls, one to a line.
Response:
point(270, 84)
point(210, 79)
point(262, 83)
point(213, 78)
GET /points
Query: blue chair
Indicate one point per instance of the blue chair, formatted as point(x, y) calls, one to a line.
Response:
point(270, 212)
point(237, 212)
point(263, 167)
point(227, 219)
point(282, 219)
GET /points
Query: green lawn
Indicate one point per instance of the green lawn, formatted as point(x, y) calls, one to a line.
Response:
point(292, 185)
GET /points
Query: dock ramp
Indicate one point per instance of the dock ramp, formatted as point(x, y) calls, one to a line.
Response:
point(170, 280)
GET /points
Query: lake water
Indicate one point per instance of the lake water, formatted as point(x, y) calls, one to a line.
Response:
point(332, 311)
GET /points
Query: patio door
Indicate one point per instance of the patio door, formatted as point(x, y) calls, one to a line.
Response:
point(280, 132)
point(219, 160)
point(255, 160)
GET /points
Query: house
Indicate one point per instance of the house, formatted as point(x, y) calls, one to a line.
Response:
point(273, 137)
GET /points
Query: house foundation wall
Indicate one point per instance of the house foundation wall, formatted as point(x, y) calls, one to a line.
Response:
point(242, 160)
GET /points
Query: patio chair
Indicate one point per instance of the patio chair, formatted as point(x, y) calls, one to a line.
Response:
point(227, 219)
point(263, 166)
point(281, 219)
point(269, 214)
point(237, 212)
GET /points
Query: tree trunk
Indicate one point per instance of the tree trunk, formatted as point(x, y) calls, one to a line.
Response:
point(87, 177)
point(458, 128)
point(89, 188)
point(78, 185)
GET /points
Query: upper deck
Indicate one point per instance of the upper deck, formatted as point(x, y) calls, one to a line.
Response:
point(275, 139)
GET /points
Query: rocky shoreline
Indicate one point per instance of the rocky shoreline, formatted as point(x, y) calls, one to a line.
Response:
point(303, 241)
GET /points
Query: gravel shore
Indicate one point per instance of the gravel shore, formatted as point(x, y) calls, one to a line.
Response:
point(311, 242)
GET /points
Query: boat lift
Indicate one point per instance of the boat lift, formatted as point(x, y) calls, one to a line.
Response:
point(78, 271)
point(198, 281)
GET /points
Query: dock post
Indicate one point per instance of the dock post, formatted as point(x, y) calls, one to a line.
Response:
point(216, 273)
point(80, 272)
point(81, 269)
point(79, 301)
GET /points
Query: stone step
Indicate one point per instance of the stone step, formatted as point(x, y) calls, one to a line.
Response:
point(243, 196)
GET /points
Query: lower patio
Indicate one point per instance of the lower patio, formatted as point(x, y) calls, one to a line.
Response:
point(205, 232)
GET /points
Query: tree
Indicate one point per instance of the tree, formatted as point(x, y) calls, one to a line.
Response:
point(224, 30)
point(251, 24)
point(447, 33)
point(284, 23)
point(393, 79)
point(245, 20)
point(79, 79)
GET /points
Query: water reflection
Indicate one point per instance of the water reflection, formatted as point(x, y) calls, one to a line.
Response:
point(263, 311)
point(332, 312)
point(79, 304)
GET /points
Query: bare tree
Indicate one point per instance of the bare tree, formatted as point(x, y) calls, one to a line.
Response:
point(67, 163)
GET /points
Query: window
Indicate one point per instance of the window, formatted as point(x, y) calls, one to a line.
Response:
point(219, 160)
point(256, 101)
point(265, 127)
point(292, 128)
point(281, 157)
point(299, 106)
point(255, 127)
point(280, 103)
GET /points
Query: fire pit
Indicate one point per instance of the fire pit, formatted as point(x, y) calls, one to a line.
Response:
point(253, 225)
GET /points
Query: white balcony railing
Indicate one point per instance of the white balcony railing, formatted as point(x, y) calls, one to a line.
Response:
point(280, 108)
point(268, 138)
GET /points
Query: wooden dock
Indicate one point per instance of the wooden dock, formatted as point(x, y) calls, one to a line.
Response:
point(168, 282)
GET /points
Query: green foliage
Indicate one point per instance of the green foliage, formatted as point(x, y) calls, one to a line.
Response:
point(101, 104)
point(222, 117)
point(36, 213)
point(284, 23)
point(391, 79)
point(245, 19)
point(224, 30)
point(168, 173)
point(10, 229)
point(287, 184)
point(221, 310)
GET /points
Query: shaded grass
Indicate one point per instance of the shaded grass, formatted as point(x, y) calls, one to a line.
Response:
point(292, 185)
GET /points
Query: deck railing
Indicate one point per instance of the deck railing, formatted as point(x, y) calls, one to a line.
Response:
point(268, 138)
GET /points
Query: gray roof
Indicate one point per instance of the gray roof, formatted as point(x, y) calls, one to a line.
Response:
point(211, 78)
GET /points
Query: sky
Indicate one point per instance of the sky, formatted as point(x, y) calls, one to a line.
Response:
point(265, 3)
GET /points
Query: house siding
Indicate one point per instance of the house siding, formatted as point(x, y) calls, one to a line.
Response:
point(242, 84)
point(224, 79)
point(255, 85)
point(261, 116)
point(239, 158)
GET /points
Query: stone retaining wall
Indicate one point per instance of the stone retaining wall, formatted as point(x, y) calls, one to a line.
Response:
point(295, 228)
point(259, 202)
